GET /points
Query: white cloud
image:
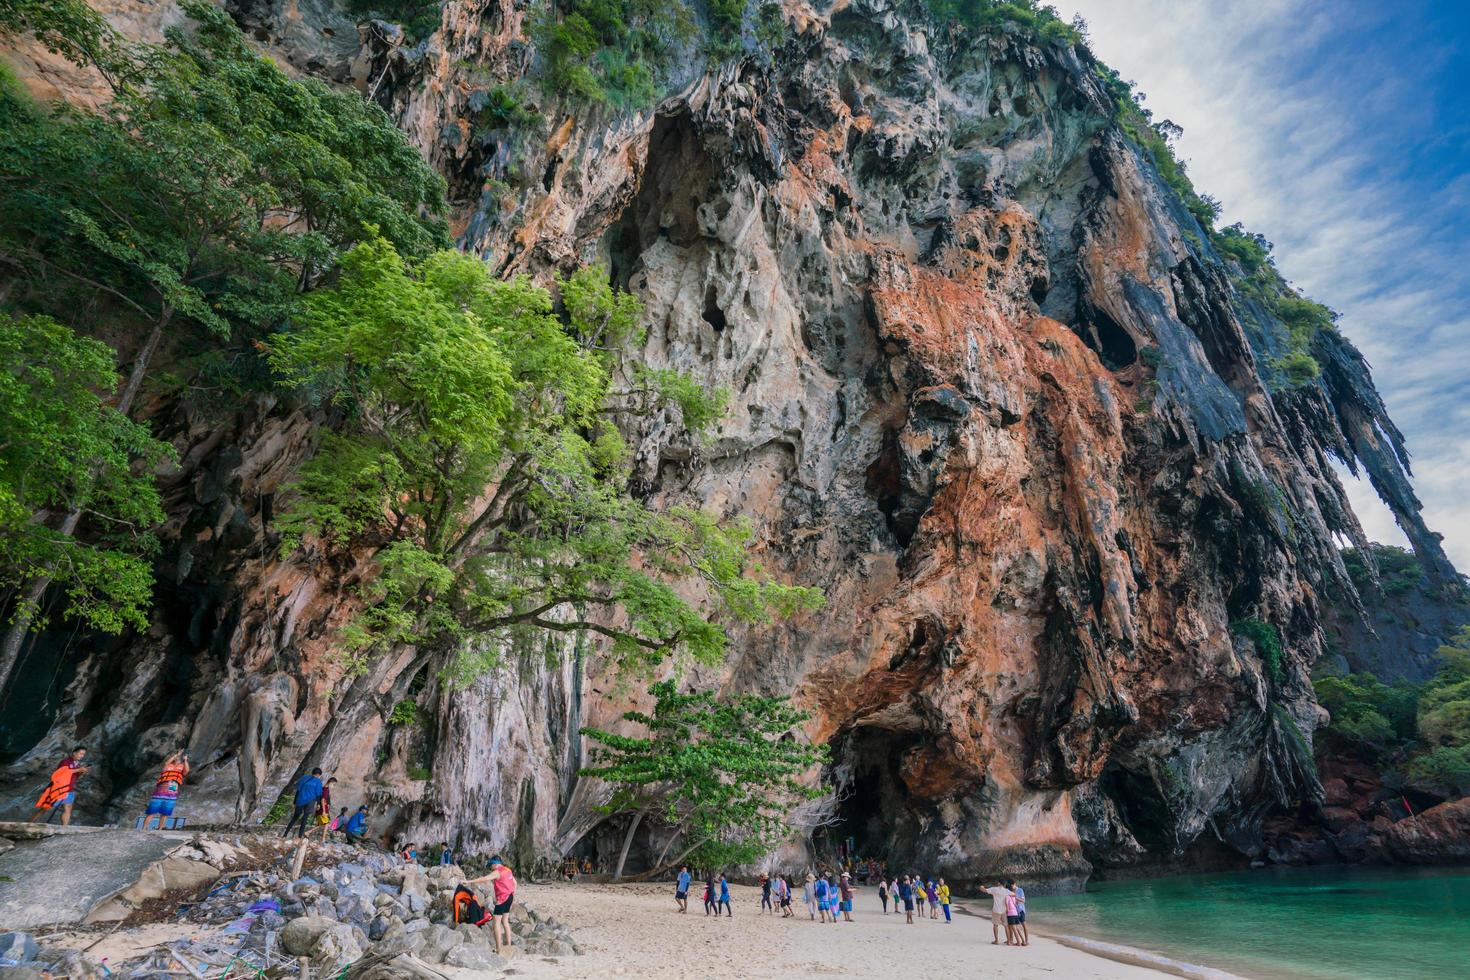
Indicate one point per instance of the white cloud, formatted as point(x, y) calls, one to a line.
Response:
point(1309, 142)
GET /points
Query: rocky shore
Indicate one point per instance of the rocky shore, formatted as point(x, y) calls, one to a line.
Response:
point(350, 912)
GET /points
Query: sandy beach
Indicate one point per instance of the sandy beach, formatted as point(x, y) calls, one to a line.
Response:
point(635, 931)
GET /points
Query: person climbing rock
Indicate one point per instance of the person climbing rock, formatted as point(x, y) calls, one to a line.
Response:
point(166, 790)
point(308, 792)
point(62, 789)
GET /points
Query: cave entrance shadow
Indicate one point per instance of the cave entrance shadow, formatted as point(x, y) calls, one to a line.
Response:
point(875, 814)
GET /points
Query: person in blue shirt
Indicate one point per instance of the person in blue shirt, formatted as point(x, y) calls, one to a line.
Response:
point(906, 895)
point(356, 827)
point(724, 897)
point(681, 890)
point(820, 890)
point(308, 794)
point(446, 856)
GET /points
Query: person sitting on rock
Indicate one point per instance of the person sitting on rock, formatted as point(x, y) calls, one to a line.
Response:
point(166, 790)
point(356, 827)
point(62, 790)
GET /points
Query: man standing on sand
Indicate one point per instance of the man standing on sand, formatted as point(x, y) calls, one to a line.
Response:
point(943, 892)
point(998, 895)
point(166, 790)
point(846, 891)
point(503, 883)
point(62, 790)
point(681, 889)
point(766, 905)
point(1022, 933)
point(906, 895)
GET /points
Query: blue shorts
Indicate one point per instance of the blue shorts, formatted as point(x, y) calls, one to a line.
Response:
point(161, 806)
point(66, 800)
point(847, 905)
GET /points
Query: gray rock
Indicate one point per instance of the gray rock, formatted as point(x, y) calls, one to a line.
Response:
point(472, 957)
point(377, 928)
point(438, 942)
point(416, 925)
point(17, 948)
point(300, 935)
point(336, 946)
point(28, 971)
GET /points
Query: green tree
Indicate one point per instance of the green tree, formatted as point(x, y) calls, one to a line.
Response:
point(723, 772)
point(480, 472)
point(198, 203)
point(63, 449)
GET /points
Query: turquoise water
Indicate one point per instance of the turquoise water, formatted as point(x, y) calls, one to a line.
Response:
point(1293, 923)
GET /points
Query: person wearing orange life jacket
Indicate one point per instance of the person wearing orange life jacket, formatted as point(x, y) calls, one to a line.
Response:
point(467, 908)
point(166, 790)
point(504, 886)
point(62, 790)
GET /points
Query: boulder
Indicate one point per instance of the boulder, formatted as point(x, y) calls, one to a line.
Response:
point(378, 927)
point(1439, 835)
point(1339, 818)
point(17, 948)
point(336, 947)
point(438, 941)
point(300, 935)
point(471, 957)
point(474, 935)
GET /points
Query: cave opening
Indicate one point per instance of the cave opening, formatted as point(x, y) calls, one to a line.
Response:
point(875, 815)
point(679, 177)
point(1113, 345)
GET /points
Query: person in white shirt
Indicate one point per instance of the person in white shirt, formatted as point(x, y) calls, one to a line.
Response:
point(998, 894)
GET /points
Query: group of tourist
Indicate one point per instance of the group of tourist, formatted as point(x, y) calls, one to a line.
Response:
point(826, 896)
point(311, 808)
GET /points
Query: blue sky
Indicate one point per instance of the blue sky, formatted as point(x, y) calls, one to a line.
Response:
point(1339, 129)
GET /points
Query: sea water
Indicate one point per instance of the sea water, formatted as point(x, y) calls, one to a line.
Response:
point(1289, 923)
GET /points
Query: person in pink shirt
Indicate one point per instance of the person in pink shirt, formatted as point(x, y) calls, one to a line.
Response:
point(1013, 919)
point(503, 884)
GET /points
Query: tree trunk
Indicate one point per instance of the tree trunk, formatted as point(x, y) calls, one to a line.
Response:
point(25, 610)
point(627, 842)
point(651, 872)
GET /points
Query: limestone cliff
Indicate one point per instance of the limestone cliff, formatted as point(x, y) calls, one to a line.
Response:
point(993, 390)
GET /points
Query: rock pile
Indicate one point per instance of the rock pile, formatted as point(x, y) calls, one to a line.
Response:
point(391, 917)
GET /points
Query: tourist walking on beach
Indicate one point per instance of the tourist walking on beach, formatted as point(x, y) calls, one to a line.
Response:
point(61, 790)
point(681, 890)
point(809, 895)
point(918, 882)
point(906, 895)
point(709, 896)
point(998, 895)
point(766, 905)
point(883, 894)
point(786, 912)
point(823, 905)
point(166, 789)
point(932, 894)
point(308, 791)
point(942, 894)
point(1022, 932)
point(725, 896)
point(503, 884)
point(845, 887)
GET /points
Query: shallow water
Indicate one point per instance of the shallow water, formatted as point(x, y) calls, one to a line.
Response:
point(1290, 923)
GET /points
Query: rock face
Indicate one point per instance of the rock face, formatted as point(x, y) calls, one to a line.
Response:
point(1440, 835)
point(990, 390)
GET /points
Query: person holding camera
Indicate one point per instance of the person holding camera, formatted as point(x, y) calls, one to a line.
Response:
point(166, 790)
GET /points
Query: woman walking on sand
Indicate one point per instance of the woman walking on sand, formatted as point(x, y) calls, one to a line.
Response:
point(709, 896)
point(883, 894)
point(809, 895)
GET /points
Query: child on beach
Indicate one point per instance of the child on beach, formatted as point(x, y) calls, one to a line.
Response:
point(942, 892)
point(725, 897)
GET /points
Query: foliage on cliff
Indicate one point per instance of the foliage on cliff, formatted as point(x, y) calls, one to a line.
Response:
point(1421, 730)
point(479, 469)
point(723, 772)
point(63, 448)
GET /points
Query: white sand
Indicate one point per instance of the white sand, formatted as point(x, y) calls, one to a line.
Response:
point(635, 931)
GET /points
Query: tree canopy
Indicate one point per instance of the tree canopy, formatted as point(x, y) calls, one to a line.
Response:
point(63, 448)
point(725, 772)
point(481, 471)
